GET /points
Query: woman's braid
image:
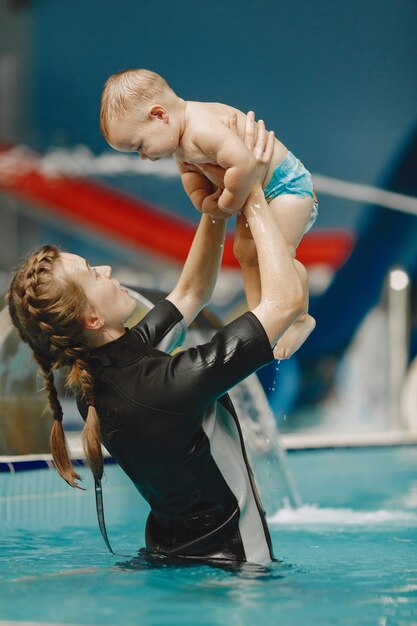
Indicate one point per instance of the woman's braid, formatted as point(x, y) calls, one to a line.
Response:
point(47, 308)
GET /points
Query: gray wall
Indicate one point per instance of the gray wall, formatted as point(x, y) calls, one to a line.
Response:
point(16, 72)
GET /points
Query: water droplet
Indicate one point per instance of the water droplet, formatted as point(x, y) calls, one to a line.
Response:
point(213, 221)
point(247, 225)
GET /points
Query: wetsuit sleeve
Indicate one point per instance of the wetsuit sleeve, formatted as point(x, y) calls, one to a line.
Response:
point(200, 375)
point(163, 327)
point(174, 339)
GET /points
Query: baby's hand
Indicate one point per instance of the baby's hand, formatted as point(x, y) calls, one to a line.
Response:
point(210, 206)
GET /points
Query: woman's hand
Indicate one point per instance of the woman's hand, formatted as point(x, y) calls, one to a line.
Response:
point(258, 141)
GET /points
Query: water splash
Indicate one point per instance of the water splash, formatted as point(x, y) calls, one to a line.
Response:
point(313, 515)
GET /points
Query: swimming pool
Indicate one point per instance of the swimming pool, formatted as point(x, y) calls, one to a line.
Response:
point(348, 555)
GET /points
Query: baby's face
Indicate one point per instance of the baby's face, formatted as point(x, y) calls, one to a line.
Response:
point(152, 138)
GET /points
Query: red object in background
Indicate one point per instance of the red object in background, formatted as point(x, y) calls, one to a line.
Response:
point(139, 224)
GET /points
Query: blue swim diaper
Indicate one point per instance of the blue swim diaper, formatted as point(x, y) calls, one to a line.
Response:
point(291, 177)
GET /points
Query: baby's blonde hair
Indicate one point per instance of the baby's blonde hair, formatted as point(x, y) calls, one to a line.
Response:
point(126, 91)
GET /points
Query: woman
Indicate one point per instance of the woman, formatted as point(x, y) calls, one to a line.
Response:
point(165, 419)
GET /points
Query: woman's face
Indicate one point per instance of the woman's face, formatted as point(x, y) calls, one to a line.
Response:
point(109, 301)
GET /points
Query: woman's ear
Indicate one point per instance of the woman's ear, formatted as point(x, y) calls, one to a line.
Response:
point(93, 321)
point(157, 111)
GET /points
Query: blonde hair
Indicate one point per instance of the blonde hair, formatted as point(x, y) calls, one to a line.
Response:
point(126, 91)
point(47, 308)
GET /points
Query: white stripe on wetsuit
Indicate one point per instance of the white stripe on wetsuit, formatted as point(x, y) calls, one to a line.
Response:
point(226, 451)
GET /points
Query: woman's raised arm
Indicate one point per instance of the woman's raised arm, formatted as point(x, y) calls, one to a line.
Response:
point(282, 297)
point(196, 283)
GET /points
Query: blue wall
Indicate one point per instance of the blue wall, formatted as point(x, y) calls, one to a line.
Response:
point(336, 80)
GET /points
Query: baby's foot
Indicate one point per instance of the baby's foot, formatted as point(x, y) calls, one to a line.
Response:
point(294, 337)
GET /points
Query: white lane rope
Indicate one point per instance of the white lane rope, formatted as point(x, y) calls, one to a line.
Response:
point(365, 193)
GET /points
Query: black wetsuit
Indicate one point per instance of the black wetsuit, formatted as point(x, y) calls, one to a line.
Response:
point(168, 423)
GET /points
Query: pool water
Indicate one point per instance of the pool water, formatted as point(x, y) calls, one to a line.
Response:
point(347, 556)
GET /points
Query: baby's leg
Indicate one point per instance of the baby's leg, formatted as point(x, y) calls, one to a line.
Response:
point(244, 250)
point(292, 214)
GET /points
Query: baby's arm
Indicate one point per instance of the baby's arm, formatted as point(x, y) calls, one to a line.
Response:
point(226, 148)
point(202, 193)
point(240, 166)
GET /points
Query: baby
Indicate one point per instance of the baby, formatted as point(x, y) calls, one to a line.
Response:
point(141, 113)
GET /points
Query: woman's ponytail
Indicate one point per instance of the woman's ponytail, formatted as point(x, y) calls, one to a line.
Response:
point(80, 378)
point(57, 439)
